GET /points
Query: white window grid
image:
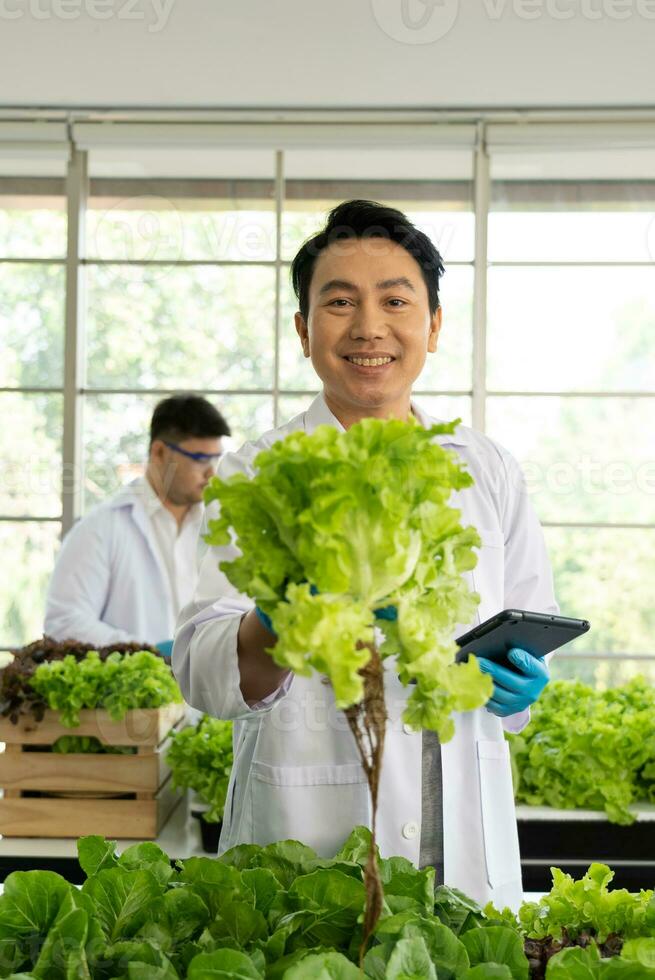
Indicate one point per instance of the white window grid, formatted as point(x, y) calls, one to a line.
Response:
point(75, 388)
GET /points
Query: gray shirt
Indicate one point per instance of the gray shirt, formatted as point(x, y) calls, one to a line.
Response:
point(431, 850)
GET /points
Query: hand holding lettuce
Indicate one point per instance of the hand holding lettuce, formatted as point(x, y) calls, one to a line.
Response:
point(335, 527)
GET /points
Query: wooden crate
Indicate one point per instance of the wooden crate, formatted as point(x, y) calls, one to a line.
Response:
point(114, 795)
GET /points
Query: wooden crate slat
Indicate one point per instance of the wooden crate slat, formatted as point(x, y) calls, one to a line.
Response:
point(51, 817)
point(143, 773)
point(13, 752)
point(48, 817)
point(161, 752)
point(52, 772)
point(167, 799)
point(142, 726)
point(171, 716)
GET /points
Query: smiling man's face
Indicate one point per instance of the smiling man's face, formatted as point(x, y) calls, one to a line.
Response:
point(368, 301)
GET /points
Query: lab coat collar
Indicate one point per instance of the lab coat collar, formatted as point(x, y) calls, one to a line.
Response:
point(134, 496)
point(318, 413)
point(150, 500)
point(140, 492)
point(141, 498)
point(129, 495)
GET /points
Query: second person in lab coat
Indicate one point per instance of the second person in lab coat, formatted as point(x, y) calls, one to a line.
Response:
point(127, 567)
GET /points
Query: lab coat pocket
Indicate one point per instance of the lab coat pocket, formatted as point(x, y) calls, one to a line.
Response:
point(489, 573)
point(318, 803)
point(501, 840)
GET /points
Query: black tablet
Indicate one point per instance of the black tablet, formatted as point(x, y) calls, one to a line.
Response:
point(538, 633)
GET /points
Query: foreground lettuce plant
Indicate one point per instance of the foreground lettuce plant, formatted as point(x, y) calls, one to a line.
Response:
point(336, 526)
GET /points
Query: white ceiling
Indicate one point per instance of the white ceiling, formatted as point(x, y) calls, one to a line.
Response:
point(327, 53)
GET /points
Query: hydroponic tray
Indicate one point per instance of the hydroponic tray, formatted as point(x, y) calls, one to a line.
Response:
point(573, 839)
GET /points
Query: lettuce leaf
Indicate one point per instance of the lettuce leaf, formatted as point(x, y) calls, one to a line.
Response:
point(228, 963)
point(117, 683)
point(588, 748)
point(335, 525)
point(200, 758)
point(497, 944)
point(323, 966)
point(281, 911)
point(587, 905)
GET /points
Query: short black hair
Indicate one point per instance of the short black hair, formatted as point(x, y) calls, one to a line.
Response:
point(186, 417)
point(367, 219)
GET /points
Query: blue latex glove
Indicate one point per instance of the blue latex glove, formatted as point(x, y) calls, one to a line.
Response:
point(165, 647)
point(265, 620)
point(387, 612)
point(514, 692)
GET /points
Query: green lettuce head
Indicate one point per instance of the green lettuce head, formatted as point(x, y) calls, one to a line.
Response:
point(335, 525)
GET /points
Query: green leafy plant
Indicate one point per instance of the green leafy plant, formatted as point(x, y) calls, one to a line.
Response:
point(335, 526)
point(88, 745)
point(118, 683)
point(363, 516)
point(280, 912)
point(588, 748)
point(588, 906)
point(18, 697)
point(200, 757)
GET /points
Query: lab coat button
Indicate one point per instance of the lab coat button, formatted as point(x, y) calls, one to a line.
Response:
point(410, 829)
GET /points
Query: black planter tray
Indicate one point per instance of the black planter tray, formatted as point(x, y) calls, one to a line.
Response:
point(209, 832)
point(573, 839)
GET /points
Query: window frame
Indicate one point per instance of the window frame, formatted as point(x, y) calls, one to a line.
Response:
point(77, 187)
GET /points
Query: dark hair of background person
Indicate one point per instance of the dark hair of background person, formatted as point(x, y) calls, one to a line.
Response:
point(186, 417)
point(367, 219)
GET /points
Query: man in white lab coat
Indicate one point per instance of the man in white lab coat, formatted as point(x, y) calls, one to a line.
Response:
point(125, 570)
point(369, 313)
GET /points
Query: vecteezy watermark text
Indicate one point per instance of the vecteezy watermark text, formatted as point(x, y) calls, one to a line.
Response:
point(582, 477)
point(153, 13)
point(567, 9)
point(427, 21)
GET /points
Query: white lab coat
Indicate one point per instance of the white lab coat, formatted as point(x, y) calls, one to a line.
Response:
point(109, 584)
point(296, 771)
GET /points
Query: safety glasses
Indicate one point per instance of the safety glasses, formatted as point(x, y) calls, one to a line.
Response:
point(196, 457)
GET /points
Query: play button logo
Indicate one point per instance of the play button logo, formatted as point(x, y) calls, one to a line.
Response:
point(415, 21)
